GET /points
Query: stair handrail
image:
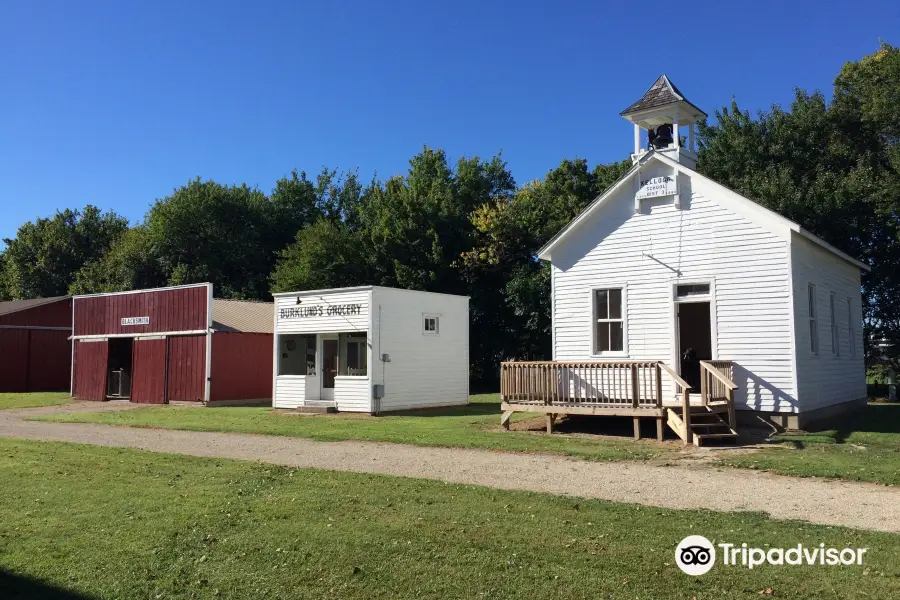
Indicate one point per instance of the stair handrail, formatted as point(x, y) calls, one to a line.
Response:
point(730, 386)
point(675, 376)
point(685, 400)
point(718, 375)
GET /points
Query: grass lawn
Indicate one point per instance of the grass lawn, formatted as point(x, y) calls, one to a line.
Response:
point(117, 523)
point(866, 448)
point(473, 426)
point(33, 399)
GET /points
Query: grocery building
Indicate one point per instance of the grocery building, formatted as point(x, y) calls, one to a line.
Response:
point(370, 349)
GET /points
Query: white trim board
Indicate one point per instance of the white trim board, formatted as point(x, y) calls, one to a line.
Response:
point(105, 336)
point(144, 291)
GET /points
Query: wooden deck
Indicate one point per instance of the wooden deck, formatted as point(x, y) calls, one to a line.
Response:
point(637, 389)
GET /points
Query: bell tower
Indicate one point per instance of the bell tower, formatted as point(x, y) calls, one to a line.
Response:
point(662, 111)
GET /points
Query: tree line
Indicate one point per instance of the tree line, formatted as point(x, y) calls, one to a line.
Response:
point(469, 228)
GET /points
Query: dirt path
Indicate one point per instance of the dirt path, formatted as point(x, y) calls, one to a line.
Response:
point(861, 505)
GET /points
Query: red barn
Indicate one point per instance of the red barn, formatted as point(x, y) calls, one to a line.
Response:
point(172, 344)
point(35, 346)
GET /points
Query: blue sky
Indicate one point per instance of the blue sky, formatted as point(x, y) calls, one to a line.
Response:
point(117, 103)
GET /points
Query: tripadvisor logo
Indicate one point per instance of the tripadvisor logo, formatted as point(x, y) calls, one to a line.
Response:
point(696, 555)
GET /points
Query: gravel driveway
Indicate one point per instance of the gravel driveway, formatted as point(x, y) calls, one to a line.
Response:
point(861, 505)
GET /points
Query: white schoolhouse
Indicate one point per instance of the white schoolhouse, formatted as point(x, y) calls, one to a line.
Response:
point(670, 266)
point(370, 349)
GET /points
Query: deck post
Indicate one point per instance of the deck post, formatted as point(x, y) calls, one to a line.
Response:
point(635, 390)
point(659, 428)
point(550, 419)
point(704, 387)
point(732, 416)
point(686, 415)
point(659, 396)
point(504, 419)
point(637, 428)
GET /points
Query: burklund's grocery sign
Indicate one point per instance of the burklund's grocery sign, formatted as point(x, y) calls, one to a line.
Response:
point(301, 312)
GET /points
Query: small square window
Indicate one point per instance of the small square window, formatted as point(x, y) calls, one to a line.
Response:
point(430, 325)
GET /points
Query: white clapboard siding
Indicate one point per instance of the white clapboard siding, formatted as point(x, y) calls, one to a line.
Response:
point(331, 319)
point(352, 394)
point(703, 241)
point(831, 377)
point(290, 391)
point(424, 370)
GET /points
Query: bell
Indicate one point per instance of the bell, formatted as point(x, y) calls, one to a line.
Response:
point(663, 136)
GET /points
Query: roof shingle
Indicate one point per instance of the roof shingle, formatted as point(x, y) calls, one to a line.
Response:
point(243, 315)
point(17, 305)
point(661, 93)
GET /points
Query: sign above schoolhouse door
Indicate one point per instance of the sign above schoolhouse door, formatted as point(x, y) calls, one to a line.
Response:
point(657, 187)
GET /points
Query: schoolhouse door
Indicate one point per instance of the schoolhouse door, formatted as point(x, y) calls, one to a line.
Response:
point(694, 330)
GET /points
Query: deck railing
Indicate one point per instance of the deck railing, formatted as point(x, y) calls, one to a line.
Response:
point(635, 384)
point(717, 386)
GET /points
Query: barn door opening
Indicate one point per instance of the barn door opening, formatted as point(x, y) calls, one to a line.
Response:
point(118, 368)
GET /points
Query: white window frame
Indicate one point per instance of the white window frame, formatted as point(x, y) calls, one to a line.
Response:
point(437, 324)
point(851, 329)
point(835, 338)
point(623, 353)
point(812, 309)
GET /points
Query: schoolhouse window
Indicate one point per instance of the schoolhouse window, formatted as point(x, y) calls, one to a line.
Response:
point(609, 330)
point(835, 340)
point(430, 324)
point(813, 322)
point(851, 327)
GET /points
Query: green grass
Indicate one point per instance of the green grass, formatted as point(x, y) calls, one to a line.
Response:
point(33, 399)
point(473, 426)
point(866, 448)
point(117, 523)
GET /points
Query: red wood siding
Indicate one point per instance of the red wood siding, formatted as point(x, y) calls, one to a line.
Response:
point(54, 314)
point(241, 366)
point(14, 362)
point(34, 360)
point(90, 369)
point(187, 368)
point(181, 309)
point(49, 360)
point(148, 371)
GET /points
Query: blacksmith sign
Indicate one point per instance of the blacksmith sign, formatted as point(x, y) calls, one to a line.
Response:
point(320, 310)
point(135, 321)
point(656, 187)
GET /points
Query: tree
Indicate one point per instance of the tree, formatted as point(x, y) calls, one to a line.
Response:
point(131, 263)
point(206, 231)
point(42, 259)
point(325, 255)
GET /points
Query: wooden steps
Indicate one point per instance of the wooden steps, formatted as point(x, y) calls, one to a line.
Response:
point(706, 425)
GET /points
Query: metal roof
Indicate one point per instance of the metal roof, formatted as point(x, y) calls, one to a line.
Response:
point(661, 93)
point(243, 315)
point(17, 305)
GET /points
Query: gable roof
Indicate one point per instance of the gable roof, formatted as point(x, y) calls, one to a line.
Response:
point(661, 93)
point(243, 315)
point(17, 305)
point(763, 216)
